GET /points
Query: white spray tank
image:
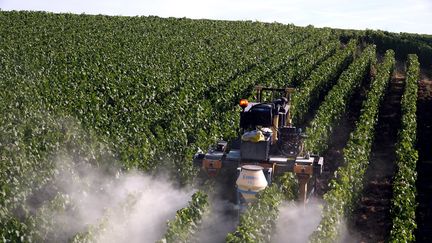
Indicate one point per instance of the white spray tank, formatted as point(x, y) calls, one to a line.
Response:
point(250, 181)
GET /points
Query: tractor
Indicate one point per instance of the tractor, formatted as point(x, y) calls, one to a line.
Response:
point(268, 145)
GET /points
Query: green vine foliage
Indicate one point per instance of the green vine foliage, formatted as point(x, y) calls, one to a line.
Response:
point(187, 219)
point(122, 78)
point(111, 90)
point(346, 188)
point(290, 60)
point(336, 101)
point(257, 223)
point(404, 43)
point(130, 98)
point(296, 72)
point(28, 150)
point(320, 79)
point(404, 203)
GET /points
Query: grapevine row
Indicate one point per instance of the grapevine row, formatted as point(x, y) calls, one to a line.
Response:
point(295, 74)
point(346, 188)
point(108, 73)
point(320, 79)
point(184, 121)
point(256, 224)
point(258, 221)
point(323, 52)
point(29, 150)
point(403, 208)
point(187, 219)
point(336, 101)
point(148, 92)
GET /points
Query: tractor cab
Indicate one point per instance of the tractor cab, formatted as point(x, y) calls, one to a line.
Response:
point(271, 119)
point(272, 112)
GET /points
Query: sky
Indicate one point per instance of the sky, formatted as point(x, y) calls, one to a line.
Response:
point(414, 16)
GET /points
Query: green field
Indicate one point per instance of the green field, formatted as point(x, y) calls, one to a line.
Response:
point(144, 93)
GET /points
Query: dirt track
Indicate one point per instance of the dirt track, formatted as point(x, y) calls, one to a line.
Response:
point(338, 140)
point(424, 165)
point(371, 220)
point(339, 137)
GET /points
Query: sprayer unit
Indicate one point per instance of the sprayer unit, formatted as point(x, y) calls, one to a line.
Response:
point(268, 145)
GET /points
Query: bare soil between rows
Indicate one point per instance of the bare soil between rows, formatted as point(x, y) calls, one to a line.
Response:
point(424, 165)
point(371, 219)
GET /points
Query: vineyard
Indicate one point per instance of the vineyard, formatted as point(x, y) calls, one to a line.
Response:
point(91, 105)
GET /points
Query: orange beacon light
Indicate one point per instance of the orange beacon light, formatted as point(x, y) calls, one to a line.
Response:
point(244, 103)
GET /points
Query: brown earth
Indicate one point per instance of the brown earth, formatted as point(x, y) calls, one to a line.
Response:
point(371, 221)
point(424, 165)
point(338, 140)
